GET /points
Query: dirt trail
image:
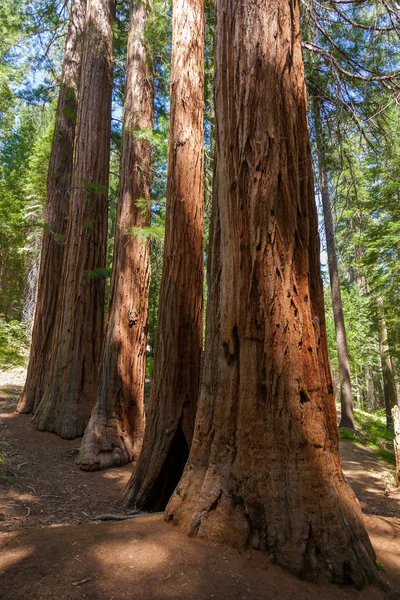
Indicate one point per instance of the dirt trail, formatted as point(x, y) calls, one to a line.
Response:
point(49, 550)
point(40, 483)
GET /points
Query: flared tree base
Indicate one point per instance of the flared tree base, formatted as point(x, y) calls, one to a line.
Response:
point(25, 404)
point(105, 445)
point(68, 421)
point(326, 543)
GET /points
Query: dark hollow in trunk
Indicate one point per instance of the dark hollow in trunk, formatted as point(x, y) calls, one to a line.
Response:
point(71, 392)
point(263, 470)
point(176, 372)
point(56, 212)
point(115, 431)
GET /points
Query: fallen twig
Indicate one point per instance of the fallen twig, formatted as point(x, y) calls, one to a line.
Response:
point(117, 517)
point(82, 581)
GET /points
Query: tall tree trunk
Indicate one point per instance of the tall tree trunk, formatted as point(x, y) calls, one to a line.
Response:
point(346, 395)
point(114, 434)
point(396, 441)
point(264, 469)
point(58, 190)
point(175, 386)
point(389, 386)
point(71, 391)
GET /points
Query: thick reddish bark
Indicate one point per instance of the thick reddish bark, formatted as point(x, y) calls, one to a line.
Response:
point(114, 434)
point(346, 394)
point(58, 190)
point(264, 470)
point(173, 397)
point(71, 391)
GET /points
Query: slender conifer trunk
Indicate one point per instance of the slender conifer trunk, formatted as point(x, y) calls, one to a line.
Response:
point(176, 374)
point(264, 469)
point(71, 392)
point(114, 434)
point(396, 441)
point(389, 385)
point(56, 213)
point(346, 394)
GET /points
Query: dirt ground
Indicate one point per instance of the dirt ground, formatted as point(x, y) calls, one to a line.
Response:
point(52, 547)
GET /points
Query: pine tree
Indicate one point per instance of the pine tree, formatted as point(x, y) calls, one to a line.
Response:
point(346, 395)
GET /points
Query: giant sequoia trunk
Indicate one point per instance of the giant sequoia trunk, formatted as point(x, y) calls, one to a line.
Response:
point(346, 395)
point(71, 391)
point(58, 191)
point(173, 397)
point(264, 470)
point(114, 434)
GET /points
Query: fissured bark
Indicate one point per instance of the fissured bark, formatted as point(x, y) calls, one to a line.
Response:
point(176, 373)
point(264, 470)
point(56, 212)
point(114, 434)
point(71, 391)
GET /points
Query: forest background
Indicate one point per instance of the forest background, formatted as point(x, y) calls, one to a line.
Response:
point(351, 54)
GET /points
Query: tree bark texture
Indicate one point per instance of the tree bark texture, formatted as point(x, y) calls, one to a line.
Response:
point(56, 212)
point(173, 396)
point(396, 441)
point(346, 395)
point(114, 434)
point(389, 385)
point(71, 392)
point(264, 470)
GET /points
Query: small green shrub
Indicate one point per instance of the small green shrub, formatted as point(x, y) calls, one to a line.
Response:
point(372, 431)
point(14, 342)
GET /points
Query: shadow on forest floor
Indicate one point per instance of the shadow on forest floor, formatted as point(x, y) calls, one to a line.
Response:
point(49, 552)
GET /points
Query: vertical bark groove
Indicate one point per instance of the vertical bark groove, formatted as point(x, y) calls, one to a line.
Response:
point(56, 212)
point(114, 434)
point(71, 392)
point(263, 469)
point(173, 396)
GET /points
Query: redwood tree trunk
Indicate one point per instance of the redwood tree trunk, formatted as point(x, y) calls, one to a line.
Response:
point(58, 190)
point(264, 470)
point(346, 395)
point(389, 386)
point(71, 391)
point(115, 432)
point(173, 397)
